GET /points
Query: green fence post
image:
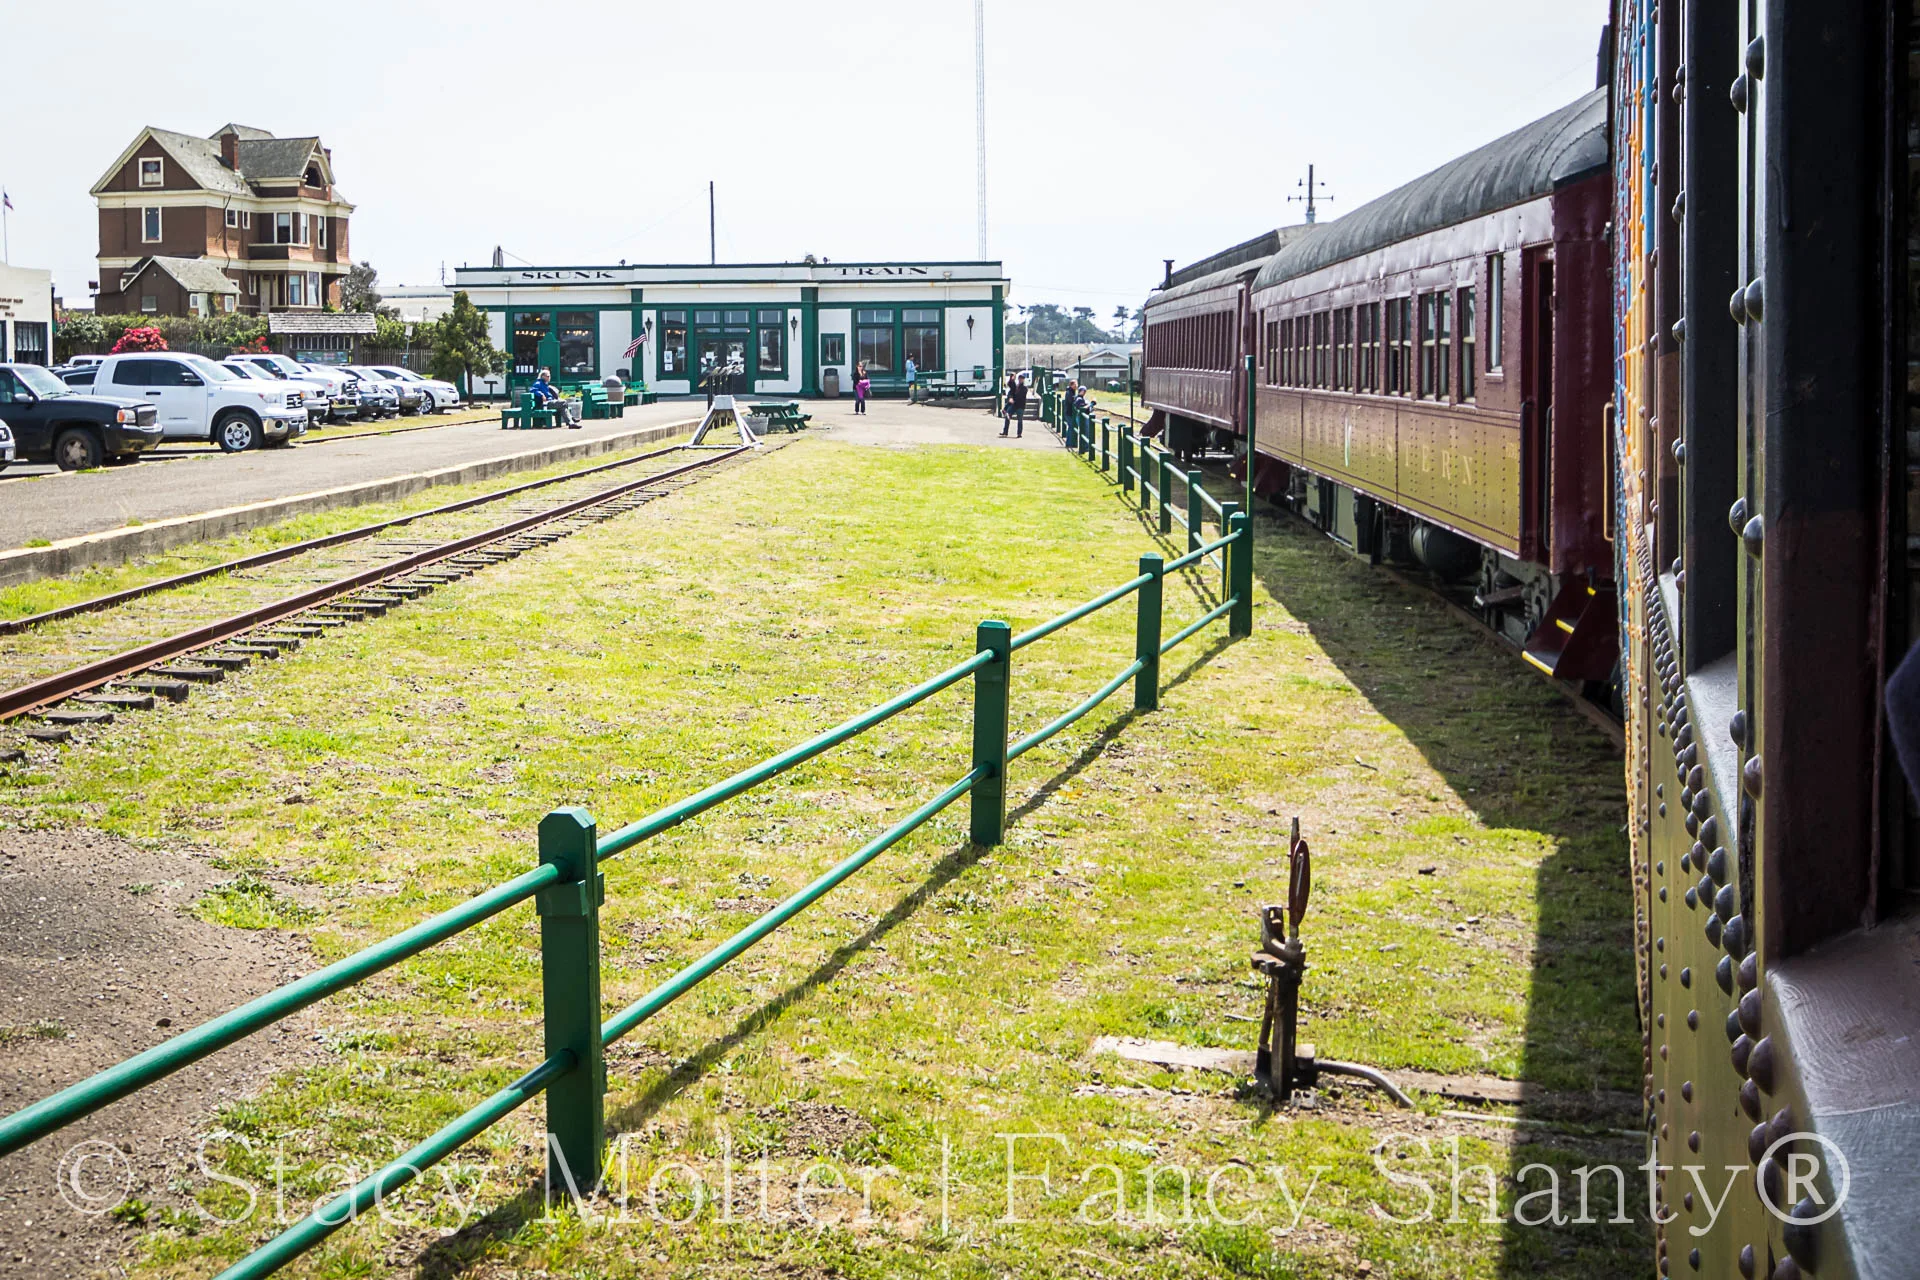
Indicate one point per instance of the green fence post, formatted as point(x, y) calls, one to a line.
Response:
point(1240, 620)
point(1227, 512)
point(1146, 637)
point(1194, 518)
point(1126, 460)
point(1106, 445)
point(992, 686)
point(1166, 493)
point(570, 989)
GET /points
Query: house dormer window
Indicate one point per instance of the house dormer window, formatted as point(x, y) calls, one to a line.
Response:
point(313, 176)
point(152, 173)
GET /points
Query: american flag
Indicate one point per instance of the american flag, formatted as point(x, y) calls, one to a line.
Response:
point(633, 348)
point(6, 199)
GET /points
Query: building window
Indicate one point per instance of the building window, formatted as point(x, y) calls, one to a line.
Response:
point(576, 344)
point(320, 229)
point(673, 342)
point(150, 226)
point(921, 333)
point(152, 173)
point(297, 290)
point(1496, 311)
point(149, 304)
point(253, 286)
point(833, 349)
point(316, 292)
point(1467, 319)
point(529, 328)
point(873, 340)
point(233, 217)
point(282, 228)
point(246, 219)
point(29, 341)
point(772, 343)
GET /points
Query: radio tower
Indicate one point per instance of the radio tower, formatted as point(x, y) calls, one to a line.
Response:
point(980, 118)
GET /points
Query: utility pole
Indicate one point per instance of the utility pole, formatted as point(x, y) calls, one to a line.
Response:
point(980, 118)
point(1312, 198)
point(713, 251)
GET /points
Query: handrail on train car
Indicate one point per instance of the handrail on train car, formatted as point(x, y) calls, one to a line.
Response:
point(568, 888)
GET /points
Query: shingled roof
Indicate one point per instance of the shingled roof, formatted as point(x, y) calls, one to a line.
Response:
point(195, 275)
point(262, 158)
point(321, 322)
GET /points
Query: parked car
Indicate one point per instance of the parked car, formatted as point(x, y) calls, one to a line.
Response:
point(313, 394)
point(407, 396)
point(378, 399)
point(343, 399)
point(75, 375)
point(444, 395)
point(49, 421)
point(201, 400)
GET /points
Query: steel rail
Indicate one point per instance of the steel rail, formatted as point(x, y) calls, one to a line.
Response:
point(13, 626)
point(691, 976)
point(43, 693)
point(349, 1205)
point(678, 812)
point(31, 1123)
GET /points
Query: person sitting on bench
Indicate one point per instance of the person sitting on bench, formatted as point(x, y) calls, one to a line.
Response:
point(548, 395)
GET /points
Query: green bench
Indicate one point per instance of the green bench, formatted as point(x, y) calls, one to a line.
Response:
point(784, 415)
point(596, 403)
point(528, 415)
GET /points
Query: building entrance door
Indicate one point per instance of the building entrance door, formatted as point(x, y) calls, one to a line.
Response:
point(718, 349)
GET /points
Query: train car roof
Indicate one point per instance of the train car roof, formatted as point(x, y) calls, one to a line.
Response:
point(1243, 259)
point(1200, 284)
point(1526, 164)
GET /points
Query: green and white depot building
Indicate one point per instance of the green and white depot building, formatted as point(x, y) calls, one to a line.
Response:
point(797, 328)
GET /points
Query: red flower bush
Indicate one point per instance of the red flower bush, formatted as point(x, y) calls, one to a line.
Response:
point(141, 338)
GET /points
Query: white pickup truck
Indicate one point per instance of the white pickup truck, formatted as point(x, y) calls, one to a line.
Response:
point(199, 400)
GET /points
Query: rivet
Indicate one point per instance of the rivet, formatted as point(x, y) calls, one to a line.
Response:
point(1686, 1090)
point(1737, 306)
point(1659, 944)
point(1663, 968)
point(1693, 823)
point(1680, 578)
point(1712, 928)
point(1679, 329)
point(1737, 726)
point(1697, 778)
point(1680, 200)
point(1781, 1125)
point(1733, 1030)
point(1693, 1256)
point(1678, 562)
point(1746, 1261)
point(1756, 57)
point(1749, 973)
point(1686, 1202)
point(1702, 806)
point(1723, 901)
point(1757, 1143)
point(1716, 862)
point(1660, 868)
point(1663, 898)
point(1660, 789)
point(1750, 1013)
point(1750, 1099)
point(1753, 536)
point(1686, 976)
point(1755, 299)
point(1742, 1054)
point(1787, 1270)
point(1686, 861)
point(1722, 972)
point(1734, 936)
point(1686, 797)
point(1660, 1021)
point(1736, 520)
point(1709, 834)
point(1693, 898)
point(1738, 94)
point(1760, 1064)
point(1693, 1140)
point(1799, 1234)
point(1705, 886)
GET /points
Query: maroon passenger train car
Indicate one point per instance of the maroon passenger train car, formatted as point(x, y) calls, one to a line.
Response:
point(1432, 374)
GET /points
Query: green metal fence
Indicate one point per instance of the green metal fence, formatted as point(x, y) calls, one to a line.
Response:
point(567, 889)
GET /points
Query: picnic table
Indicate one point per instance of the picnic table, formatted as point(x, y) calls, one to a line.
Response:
point(784, 414)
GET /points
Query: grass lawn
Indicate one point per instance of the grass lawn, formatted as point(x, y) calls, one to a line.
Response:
point(1470, 911)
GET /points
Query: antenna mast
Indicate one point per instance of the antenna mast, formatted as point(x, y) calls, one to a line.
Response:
point(1312, 197)
point(980, 118)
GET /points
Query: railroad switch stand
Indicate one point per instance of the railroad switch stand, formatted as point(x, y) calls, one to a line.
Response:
point(1281, 1062)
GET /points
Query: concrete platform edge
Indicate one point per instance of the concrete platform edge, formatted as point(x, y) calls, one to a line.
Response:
point(116, 546)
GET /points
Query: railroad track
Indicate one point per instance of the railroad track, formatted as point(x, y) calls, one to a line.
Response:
point(164, 638)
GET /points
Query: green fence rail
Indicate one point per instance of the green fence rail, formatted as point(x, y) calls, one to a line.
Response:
point(567, 888)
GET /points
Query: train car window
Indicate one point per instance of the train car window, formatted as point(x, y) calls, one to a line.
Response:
point(1343, 349)
point(1467, 379)
point(1369, 375)
point(1322, 346)
point(1302, 363)
point(1426, 345)
point(1396, 352)
point(1496, 312)
point(1442, 345)
point(1285, 376)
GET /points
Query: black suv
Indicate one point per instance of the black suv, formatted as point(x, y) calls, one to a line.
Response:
point(53, 422)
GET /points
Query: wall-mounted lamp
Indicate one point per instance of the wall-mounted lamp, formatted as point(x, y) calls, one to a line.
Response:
point(793, 325)
point(647, 328)
point(969, 326)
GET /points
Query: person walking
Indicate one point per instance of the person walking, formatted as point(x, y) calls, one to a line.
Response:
point(913, 391)
point(861, 386)
point(1006, 402)
point(1017, 406)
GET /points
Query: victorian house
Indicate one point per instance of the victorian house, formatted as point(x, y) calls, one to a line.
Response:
point(239, 221)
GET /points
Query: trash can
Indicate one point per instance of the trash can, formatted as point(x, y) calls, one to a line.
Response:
point(830, 383)
point(616, 390)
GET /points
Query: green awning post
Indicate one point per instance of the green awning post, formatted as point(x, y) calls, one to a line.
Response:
point(1240, 562)
point(1146, 636)
point(1166, 493)
point(1194, 516)
point(1126, 459)
point(1228, 510)
point(570, 989)
point(992, 690)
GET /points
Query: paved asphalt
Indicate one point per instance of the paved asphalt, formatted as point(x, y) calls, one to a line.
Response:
point(182, 483)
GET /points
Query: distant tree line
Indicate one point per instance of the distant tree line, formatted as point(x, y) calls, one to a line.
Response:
point(1045, 322)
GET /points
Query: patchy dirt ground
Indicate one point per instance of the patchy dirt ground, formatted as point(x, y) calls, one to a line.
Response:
point(103, 960)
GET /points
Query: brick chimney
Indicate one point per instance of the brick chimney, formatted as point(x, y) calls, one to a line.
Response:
point(230, 150)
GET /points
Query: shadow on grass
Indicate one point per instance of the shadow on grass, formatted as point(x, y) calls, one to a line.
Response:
point(465, 1248)
point(1521, 760)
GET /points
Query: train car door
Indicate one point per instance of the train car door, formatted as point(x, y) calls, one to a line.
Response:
point(1536, 427)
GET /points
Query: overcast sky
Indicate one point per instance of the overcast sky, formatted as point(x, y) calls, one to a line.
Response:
point(1119, 133)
